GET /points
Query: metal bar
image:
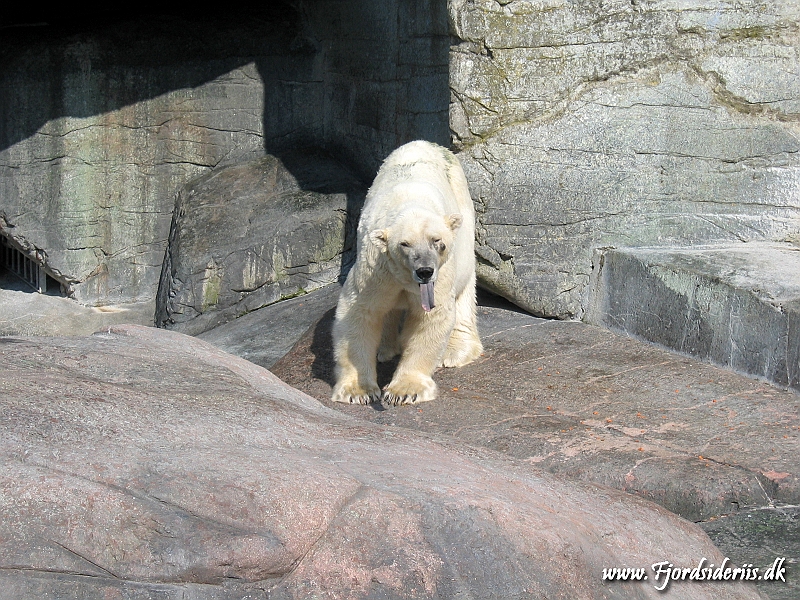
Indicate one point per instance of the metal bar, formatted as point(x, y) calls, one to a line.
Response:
point(24, 267)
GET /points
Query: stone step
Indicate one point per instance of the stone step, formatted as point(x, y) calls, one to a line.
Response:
point(736, 306)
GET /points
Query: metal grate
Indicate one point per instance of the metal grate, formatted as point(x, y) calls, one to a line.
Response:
point(28, 270)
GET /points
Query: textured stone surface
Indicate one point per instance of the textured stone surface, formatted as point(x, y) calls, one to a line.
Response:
point(105, 123)
point(386, 75)
point(226, 483)
point(736, 306)
point(108, 114)
point(266, 335)
point(622, 124)
point(758, 537)
point(251, 234)
point(587, 404)
point(29, 313)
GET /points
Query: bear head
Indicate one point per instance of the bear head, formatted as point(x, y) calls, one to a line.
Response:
point(417, 245)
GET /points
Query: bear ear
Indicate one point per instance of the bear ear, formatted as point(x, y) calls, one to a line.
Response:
point(454, 221)
point(380, 237)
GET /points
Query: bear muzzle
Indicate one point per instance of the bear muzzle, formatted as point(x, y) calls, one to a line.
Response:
point(423, 274)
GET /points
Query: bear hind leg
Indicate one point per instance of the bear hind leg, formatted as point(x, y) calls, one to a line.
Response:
point(390, 339)
point(464, 344)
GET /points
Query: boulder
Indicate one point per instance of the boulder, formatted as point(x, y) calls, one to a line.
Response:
point(623, 125)
point(252, 234)
point(737, 306)
point(143, 463)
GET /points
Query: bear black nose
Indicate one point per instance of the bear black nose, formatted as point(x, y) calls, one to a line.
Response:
point(424, 274)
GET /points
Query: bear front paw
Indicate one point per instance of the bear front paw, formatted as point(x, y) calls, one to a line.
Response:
point(356, 394)
point(409, 389)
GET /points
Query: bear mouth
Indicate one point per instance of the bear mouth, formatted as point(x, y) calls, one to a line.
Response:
point(426, 294)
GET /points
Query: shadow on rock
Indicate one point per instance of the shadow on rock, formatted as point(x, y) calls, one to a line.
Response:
point(322, 365)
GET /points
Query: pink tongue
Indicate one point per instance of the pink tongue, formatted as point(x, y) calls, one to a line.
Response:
point(426, 291)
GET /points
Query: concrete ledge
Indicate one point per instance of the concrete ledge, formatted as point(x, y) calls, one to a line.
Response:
point(736, 306)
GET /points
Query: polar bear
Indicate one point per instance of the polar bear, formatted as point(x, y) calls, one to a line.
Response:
point(412, 289)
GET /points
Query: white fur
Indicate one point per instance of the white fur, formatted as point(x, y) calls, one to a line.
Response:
point(418, 204)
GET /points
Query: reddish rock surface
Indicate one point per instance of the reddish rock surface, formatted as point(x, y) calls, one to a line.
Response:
point(587, 404)
point(141, 463)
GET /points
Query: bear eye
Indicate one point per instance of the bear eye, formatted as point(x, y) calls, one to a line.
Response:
point(405, 244)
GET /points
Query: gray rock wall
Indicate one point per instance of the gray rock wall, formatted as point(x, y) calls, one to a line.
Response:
point(103, 122)
point(736, 306)
point(580, 126)
point(583, 125)
point(386, 75)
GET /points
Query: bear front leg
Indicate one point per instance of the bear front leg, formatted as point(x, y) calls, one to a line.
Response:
point(424, 339)
point(356, 338)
